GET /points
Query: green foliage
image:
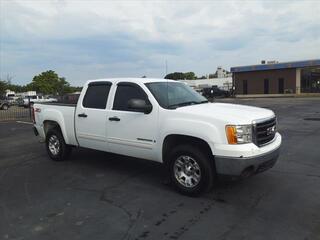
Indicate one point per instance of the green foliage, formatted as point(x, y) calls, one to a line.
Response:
point(50, 83)
point(175, 76)
point(75, 89)
point(3, 87)
point(180, 75)
point(190, 76)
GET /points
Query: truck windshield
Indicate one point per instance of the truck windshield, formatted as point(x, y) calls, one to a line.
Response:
point(171, 95)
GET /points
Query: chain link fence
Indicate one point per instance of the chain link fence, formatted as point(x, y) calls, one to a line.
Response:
point(14, 113)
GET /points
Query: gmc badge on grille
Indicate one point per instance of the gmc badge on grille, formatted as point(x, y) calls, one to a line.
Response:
point(271, 130)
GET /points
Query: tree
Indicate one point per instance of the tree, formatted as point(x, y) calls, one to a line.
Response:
point(175, 76)
point(49, 83)
point(3, 87)
point(190, 76)
point(180, 75)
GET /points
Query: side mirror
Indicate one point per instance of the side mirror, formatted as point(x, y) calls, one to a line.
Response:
point(139, 105)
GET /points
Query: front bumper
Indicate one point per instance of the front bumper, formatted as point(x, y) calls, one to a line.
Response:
point(240, 167)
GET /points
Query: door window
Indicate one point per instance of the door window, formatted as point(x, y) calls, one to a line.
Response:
point(125, 92)
point(97, 95)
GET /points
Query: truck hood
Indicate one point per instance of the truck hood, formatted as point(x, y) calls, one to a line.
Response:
point(229, 113)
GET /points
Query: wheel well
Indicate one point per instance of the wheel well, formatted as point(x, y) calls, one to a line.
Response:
point(175, 139)
point(47, 125)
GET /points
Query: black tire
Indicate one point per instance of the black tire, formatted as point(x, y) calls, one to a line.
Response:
point(205, 163)
point(63, 150)
point(5, 107)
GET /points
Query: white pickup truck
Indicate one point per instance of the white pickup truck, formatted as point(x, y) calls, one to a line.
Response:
point(164, 121)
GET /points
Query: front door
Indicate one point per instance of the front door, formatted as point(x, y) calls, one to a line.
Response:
point(131, 132)
point(91, 116)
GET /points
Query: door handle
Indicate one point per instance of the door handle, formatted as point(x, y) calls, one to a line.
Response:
point(114, 119)
point(82, 115)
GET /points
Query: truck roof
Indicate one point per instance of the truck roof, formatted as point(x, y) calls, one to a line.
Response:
point(134, 80)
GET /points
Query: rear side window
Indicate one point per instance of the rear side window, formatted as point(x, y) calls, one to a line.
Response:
point(124, 93)
point(97, 95)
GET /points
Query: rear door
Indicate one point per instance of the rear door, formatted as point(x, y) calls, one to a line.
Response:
point(91, 116)
point(130, 132)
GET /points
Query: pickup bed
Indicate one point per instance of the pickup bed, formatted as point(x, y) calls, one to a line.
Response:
point(164, 121)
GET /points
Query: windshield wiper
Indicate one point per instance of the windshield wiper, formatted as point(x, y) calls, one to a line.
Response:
point(173, 106)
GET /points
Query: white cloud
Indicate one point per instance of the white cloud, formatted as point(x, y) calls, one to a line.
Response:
point(193, 36)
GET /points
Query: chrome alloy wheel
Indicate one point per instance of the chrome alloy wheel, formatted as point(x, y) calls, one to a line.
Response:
point(187, 171)
point(54, 145)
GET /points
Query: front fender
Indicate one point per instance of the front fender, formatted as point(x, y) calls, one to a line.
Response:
point(203, 130)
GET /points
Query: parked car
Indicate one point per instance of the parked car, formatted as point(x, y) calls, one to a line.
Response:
point(20, 102)
point(164, 121)
point(30, 100)
point(214, 91)
point(4, 103)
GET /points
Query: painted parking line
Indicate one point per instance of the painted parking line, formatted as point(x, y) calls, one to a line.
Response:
point(25, 122)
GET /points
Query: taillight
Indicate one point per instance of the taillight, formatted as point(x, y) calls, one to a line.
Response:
point(32, 115)
point(33, 110)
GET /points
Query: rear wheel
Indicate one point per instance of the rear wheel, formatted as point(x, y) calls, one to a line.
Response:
point(5, 107)
point(191, 170)
point(56, 147)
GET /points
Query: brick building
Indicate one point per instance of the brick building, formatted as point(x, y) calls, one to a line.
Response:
point(277, 78)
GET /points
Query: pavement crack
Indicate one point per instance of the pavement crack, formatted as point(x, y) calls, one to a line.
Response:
point(257, 201)
point(192, 221)
point(86, 189)
point(26, 192)
point(296, 173)
point(250, 212)
point(132, 217)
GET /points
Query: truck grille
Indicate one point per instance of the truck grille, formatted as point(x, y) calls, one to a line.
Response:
point(264, 131)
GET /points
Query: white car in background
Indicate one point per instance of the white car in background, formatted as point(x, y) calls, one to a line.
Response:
point(30, 100)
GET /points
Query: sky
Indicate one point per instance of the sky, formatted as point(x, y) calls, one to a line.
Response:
point(83, 40)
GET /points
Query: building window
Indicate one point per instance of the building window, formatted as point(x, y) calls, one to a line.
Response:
point(280, 85)
point(245, 87)
point(310, 80)
point(266, 86)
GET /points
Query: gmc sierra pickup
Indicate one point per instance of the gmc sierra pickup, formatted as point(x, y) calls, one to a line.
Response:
point(164, 121)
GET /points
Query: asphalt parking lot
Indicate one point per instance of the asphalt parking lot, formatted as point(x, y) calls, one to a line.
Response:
point(96, 195)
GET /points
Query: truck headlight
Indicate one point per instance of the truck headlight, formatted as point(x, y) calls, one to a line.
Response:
point(239, 134)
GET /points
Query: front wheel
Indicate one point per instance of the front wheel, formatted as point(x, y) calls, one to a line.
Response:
point(191, 170)
point(56, 147)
